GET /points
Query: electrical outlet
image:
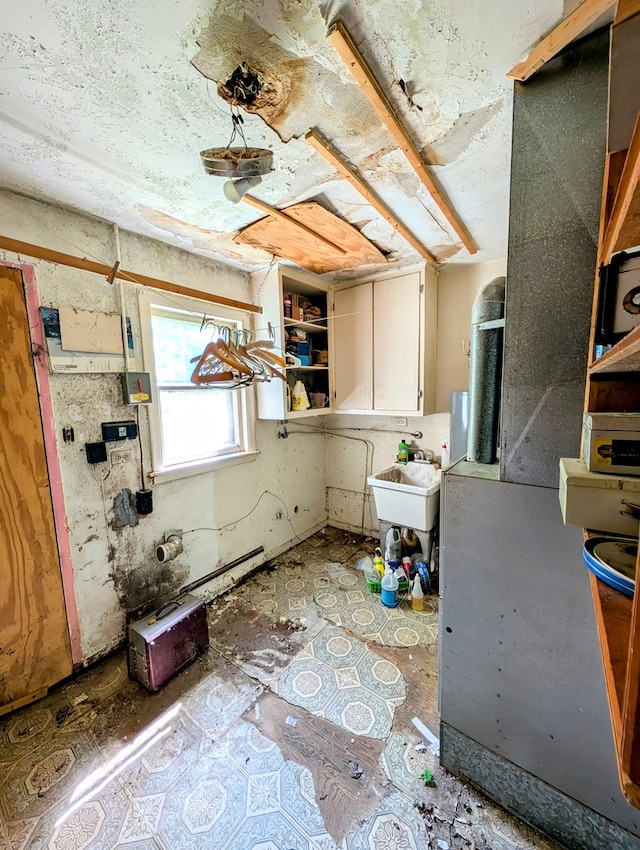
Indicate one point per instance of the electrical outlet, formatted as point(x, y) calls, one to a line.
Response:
point(279, 514)
point(120, 456)
point(400, 421)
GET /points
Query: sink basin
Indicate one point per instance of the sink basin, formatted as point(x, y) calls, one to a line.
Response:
point(407, 494)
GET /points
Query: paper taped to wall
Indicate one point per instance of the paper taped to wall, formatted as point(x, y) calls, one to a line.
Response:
point(88, 330)
point(62, 360)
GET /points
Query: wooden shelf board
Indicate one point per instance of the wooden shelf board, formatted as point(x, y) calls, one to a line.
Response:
point(312, 411)
point(306, 368)
point(630, 231)
point(309, 327)
point(613, 618)
point(623, 357)
point(623, 227)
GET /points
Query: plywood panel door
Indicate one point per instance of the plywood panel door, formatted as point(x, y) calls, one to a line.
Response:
point(353, 333)
point(397, 305)
point(34, 636)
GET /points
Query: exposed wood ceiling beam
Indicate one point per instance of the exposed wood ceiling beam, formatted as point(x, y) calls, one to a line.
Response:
point(567, 30)
point(282, 216)
point(41, 253)
point(625, 195)
point(349, 173)
point(348, 52)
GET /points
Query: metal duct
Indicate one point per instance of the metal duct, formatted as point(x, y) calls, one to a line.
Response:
point(485, 371)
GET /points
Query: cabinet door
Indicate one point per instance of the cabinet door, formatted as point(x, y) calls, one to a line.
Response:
point(397, 305)
point(353, 333)
point(272, 403)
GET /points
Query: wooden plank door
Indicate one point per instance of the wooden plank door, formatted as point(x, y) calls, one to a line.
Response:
point(353, 331)
point(34, 636)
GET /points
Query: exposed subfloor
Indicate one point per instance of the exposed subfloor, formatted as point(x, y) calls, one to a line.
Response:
point(292, 732)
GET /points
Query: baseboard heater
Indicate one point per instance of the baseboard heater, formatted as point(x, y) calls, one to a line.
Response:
point(223, 569)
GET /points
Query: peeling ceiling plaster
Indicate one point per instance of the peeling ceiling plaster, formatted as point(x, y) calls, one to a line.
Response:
point(104, 107)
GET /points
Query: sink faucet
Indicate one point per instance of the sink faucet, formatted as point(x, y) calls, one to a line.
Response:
point(422, 456)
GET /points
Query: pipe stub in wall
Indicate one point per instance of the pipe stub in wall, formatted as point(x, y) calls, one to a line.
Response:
point(170, 549)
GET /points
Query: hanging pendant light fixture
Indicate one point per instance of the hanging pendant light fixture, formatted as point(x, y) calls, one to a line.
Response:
point(242, 166)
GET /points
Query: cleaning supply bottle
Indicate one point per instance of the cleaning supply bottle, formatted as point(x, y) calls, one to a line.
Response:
point(417, 596)
point(410, 542)
point(378, 563)
point(444, 455)
point(406, 566)
point(299, 397)
point(389, 589)
point(403, 452)
point(393, 543)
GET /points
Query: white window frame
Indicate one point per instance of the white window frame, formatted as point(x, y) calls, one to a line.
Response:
point(147, 299)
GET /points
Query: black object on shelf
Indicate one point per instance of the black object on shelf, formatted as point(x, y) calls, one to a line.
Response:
point(619, 297)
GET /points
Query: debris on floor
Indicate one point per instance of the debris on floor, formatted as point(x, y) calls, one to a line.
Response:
point(296, 728)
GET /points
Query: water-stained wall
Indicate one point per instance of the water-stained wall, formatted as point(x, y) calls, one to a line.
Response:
point(115, 570)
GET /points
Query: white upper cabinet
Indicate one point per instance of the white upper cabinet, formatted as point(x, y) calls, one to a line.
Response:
point(295, 305)
point(385, 344)
point(353, 338)
point(371, 348)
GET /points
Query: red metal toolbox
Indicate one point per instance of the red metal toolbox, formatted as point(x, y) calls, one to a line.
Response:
point(162, 643)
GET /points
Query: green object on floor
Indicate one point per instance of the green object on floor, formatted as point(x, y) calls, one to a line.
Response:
point(427, 777)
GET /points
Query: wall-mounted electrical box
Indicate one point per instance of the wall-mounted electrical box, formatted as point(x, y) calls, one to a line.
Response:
point(137, 388)
point(96, 452)
point(119, 431)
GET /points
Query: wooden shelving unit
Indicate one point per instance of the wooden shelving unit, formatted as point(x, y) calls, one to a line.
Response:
point(623, 357)
point(614, 617)
point(613, 384)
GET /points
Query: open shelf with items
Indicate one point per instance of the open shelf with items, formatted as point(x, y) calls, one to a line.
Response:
point(613, 386)
point(296, 306)
point(614, 614)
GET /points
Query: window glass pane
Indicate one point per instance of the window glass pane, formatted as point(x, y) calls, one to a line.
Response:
point(197, 424)
point(175, 342)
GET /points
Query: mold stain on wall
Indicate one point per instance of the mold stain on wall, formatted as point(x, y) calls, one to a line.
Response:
point(296, 92)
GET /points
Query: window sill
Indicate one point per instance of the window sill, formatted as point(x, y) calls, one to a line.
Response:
point(199, 468)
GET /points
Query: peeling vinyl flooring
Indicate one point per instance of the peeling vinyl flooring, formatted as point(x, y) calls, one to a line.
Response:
point(292, 732)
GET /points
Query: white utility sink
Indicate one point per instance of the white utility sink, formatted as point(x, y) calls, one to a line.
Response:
point(407, 494)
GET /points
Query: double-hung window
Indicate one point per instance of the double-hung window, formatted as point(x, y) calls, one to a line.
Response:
point(193, 428)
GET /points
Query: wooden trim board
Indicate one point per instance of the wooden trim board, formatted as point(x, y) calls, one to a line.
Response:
point(348, 52)
point(350, 174)
point(50, 256)
point(567, 30)
point(626, 9)
point(626, 198)
point(257, 204)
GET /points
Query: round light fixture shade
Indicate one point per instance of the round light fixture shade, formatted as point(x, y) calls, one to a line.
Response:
point(236, 163)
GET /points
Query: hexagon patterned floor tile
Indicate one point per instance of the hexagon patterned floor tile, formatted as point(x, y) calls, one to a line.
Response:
point(339, 678)
point(308, 581)
point(247, 797)
point(397, 825)
point(205, 778)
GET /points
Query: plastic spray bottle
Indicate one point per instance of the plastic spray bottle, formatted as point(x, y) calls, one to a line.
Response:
point(393, 544)
point(417, 596)
point(444, 455)
point(389, 589)
point(378, 563)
